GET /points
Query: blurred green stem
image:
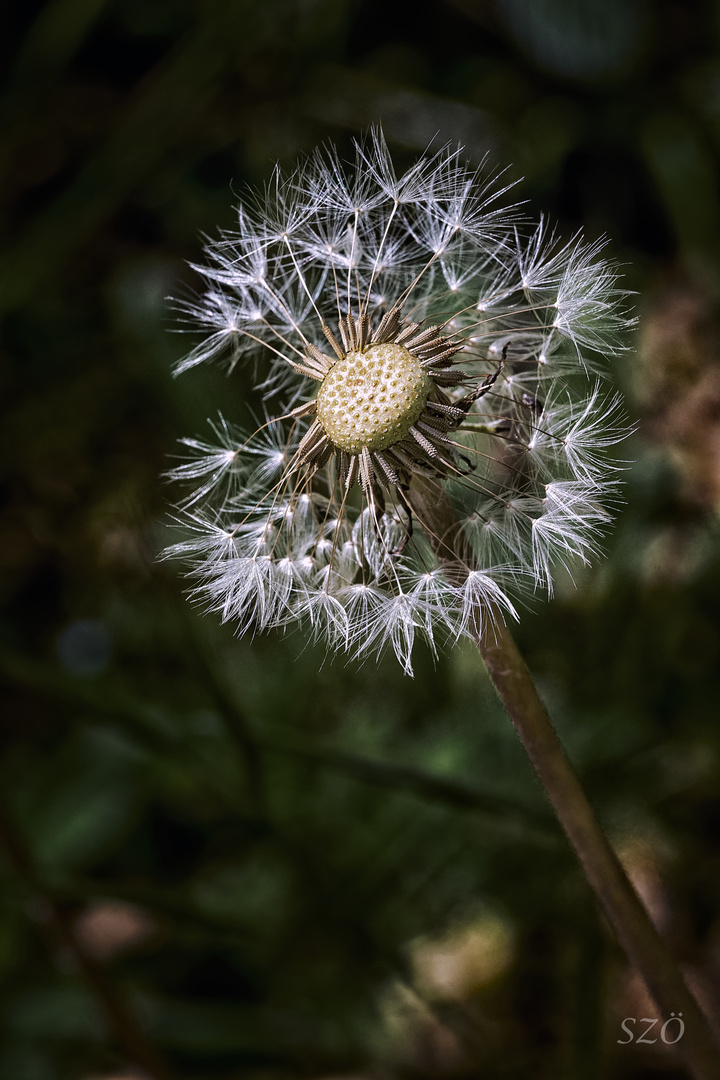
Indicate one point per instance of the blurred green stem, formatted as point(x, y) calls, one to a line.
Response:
point(60, 934)
point(636, 933)
point(239, 730)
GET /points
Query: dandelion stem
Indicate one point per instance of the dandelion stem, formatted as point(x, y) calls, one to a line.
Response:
point(625, 912)
point(643, 945)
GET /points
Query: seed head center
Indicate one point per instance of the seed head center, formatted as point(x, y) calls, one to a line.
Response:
point(370, 399)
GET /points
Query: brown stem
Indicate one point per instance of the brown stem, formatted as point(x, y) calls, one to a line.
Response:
point(60, 934)
point(636, 933)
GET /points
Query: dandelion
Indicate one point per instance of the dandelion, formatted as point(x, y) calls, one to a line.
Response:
point(435, 441)
point(406, 333)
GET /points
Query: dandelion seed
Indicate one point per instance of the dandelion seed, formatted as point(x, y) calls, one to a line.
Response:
point(403, 330)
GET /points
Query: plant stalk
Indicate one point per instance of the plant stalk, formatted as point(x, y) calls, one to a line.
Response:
point(636, 933)
point(624, 910)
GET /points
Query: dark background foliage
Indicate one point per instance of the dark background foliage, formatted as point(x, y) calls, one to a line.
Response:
point(226, 858)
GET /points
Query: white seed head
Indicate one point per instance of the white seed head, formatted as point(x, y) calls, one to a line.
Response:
point(370, 400)
point(405, 330)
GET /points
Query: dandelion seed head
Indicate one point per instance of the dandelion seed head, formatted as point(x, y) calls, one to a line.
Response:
point(404, 330)
point(370, 400)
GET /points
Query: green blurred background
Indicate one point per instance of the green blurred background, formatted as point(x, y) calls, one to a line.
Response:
point(222, 858)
